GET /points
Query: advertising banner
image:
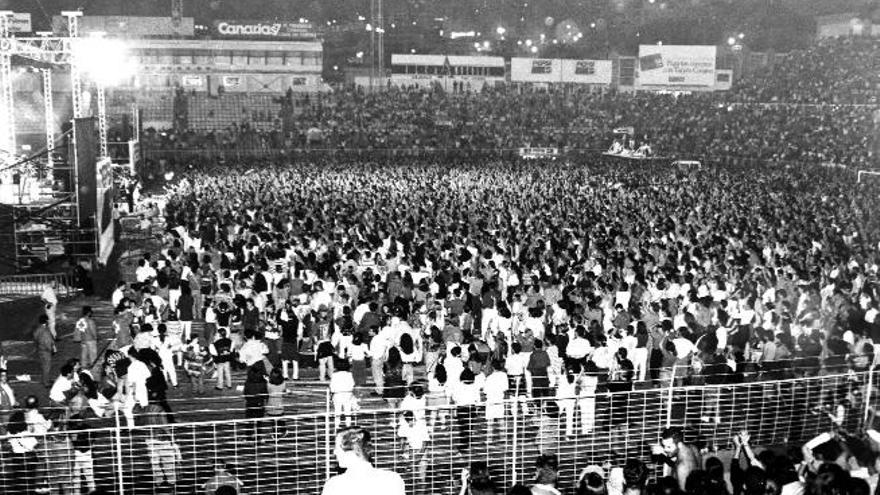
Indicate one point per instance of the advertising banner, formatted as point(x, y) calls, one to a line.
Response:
point(232, 81)
point(21, 23)
point(542, 70)
point(676, 65)
point(264, 29)
point(586, 71)
point(192, 81)
point(535, 70)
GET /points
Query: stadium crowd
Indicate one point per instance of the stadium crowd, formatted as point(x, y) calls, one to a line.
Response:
point(833, 71)
point(770, 115)
point(458, 290)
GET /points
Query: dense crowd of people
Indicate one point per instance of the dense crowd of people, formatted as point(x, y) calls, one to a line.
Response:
point(771, 115)
point(833, 71)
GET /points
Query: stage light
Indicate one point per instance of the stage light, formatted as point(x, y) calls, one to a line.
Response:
point(169, 176)
point(106, 61)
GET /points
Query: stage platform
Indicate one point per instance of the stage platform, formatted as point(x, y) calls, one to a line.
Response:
point(635, 157)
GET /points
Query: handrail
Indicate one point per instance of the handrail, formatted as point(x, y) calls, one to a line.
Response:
point(29, 284)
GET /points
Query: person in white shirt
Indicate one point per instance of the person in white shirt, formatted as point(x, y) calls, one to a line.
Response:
point(496, 386)
point(118, 294)
point(378, 352)
point(135, 386)
point(50, 303)
point(516, 368)
point(466, 396)
point(353, 454)
point(417, 435)
point(683, 347)
point(253, 350)
point(565, 396)
point(61, 389)
point(588, 381)
point(579, 347)
point(454, 366)
point(342, 388)
point(144, 272)
point(36, 422)
point(416, 402)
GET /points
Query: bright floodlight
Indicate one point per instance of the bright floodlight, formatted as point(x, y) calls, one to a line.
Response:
point(104, 60)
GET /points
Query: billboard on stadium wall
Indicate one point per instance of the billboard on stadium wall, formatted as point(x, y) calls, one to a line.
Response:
point(264, 29)
point(586, 71)
point(542, 70)
point(664, 66)
point(20, 22)
point(535, 70)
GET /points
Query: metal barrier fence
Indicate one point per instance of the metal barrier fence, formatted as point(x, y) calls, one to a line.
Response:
point(34, 284)
point(294, 454)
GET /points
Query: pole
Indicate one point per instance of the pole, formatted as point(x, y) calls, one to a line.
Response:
point(372, 42)
point(669, 399)
point(515, 404)
point(102, 119)
point(49, 114)
point(868, 390)
point(327, 435)
point(75, 80)
point(120, 478)
point(381, 24)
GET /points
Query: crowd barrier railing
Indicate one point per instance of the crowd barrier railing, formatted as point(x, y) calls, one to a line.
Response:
point(294, 454)
point(25, 285)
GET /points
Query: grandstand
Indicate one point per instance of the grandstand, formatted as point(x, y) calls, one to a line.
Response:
point(209, 113)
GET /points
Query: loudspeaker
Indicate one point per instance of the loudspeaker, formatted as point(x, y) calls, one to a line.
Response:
point(85, 160)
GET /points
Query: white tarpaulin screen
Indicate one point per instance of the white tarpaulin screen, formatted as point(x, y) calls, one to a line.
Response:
point(676, 65)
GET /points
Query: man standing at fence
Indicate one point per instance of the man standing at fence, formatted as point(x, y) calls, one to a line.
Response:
point(44, 341)
point(50, 304)
point(86, 333)
point(353, 454)
point(221, 353)
point(680, 459)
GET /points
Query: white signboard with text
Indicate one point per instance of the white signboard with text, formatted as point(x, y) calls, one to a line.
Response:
point(21, 23)
point(535, 70)
point(586, 71)
point(676, 65)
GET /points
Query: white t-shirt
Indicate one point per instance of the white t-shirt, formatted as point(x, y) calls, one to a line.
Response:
point(59, 388)
point(416, 435)
point(364, 479)
point(49, 296)
point(683, 347)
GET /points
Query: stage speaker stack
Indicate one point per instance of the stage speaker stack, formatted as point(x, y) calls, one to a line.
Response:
point(85, 160)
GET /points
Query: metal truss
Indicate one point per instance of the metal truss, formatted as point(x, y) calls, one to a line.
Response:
point(54, 51)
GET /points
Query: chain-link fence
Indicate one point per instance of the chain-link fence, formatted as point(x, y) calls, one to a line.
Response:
point(294, 454)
